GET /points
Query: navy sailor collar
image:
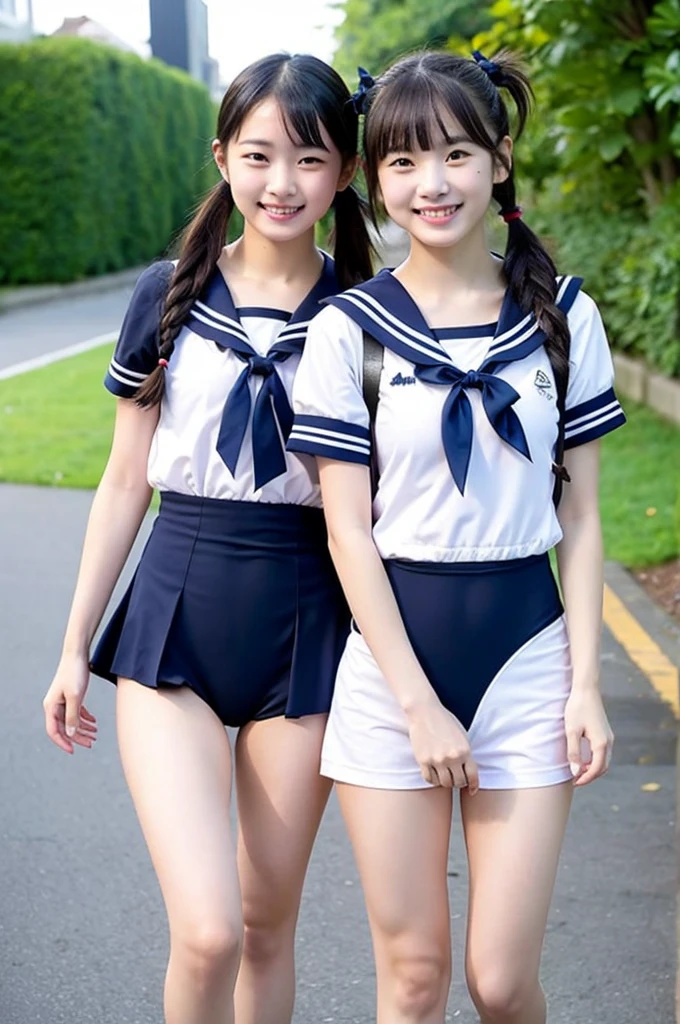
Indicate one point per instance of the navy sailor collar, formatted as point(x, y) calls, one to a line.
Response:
point(215, 317)
point(386, 310)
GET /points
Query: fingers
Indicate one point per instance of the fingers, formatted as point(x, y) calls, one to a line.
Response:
point(574, 755)
point(598, 765)
point(85, 733)
point(472, 777)
point(453, 775)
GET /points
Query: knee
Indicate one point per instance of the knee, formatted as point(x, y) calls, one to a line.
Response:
point(421, 983)
point(501, 996)
point(209, 949)
point(265, 941)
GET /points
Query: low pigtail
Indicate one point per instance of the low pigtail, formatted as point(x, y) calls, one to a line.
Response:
point(201, 247)
point(531, 276)
point(352, 247)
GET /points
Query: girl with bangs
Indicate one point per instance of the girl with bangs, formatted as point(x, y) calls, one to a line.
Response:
point(476, 388)
point(234, 616)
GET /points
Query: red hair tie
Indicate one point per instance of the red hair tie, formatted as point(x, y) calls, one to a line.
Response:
point(514, 213)
point(163, 363)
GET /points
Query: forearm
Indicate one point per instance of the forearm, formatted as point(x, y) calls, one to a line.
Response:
point(115, 517)
point(375, 610)
point(580, 562)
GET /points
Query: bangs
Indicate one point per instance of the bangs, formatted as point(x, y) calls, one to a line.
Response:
point(301, 116)
point(419, 109)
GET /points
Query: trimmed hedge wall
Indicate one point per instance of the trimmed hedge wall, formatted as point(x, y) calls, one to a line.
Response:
point(102, 157)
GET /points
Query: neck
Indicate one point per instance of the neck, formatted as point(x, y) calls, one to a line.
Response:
point(438, 272)
point(257, 257)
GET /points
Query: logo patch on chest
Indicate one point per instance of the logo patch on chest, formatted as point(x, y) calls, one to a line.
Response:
point(543, 385)
point(398, 379)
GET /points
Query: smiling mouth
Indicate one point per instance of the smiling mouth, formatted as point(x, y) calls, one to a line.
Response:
point(280, 211)
point(438, 212)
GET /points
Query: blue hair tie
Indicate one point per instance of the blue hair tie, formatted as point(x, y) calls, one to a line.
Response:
point(366, 83)
point(491, 69)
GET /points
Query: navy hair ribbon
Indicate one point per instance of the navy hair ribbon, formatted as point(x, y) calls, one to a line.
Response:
point(493, 70)
point(366, 83)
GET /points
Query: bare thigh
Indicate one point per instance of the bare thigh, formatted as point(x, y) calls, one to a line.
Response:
point(513, 840)
point(177, 762)
point(281, 799)
point(401, 841)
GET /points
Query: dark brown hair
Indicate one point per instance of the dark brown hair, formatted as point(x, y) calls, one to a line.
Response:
point(310, 93)
point(405, 109)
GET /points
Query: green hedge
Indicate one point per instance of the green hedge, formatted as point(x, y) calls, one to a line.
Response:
point(102, 157)
point(630, 263)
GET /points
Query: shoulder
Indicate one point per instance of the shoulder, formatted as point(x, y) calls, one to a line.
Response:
point(333, 326)
point(152, 283)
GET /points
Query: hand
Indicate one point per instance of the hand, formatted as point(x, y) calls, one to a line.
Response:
point(67, 720)
point(589, 736)
point(441, 747)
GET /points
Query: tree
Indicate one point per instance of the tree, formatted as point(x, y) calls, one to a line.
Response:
point(376, 32)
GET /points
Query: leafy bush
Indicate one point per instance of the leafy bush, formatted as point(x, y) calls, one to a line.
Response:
point(102, 156)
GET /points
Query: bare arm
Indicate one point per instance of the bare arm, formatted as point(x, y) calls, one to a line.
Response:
point(117, 511)
point(580, 560)
point(439, 741)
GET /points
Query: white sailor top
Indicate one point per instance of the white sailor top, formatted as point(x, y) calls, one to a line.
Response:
point(226, 412)
point(467, 418)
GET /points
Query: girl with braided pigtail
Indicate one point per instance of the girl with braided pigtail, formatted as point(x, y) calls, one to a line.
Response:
point(451, 403)
point(234, 616)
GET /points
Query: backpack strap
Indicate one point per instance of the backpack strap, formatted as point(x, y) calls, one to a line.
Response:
point(374, 356)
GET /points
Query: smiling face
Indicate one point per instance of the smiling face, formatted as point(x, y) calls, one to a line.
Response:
point(281, 186)
point(440, 195)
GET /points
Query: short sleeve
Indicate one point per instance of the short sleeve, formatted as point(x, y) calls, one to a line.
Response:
point(136, 353)
point(592, 408)
point(331, 418)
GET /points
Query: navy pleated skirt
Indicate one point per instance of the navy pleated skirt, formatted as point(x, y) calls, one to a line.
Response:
point(237, 600)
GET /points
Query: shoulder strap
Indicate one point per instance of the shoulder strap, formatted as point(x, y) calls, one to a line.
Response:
point(374, 356)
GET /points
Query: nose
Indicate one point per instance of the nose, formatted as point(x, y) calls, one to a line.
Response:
point(432, 181)
point(281, 180)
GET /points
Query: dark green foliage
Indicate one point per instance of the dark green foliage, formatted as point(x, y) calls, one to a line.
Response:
point(102, 157)
point(376, 32)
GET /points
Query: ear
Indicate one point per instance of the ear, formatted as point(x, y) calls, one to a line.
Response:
point(347, 174)
point(220, 158)
point(502, 161)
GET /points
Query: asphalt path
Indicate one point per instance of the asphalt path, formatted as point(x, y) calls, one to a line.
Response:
point(82, 929)
point(32, 331)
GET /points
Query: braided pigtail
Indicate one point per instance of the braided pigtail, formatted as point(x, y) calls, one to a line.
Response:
point(352, 245)
point(529, 268)
point(201, 248)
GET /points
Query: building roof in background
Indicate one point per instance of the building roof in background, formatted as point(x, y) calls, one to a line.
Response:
point(86, 28)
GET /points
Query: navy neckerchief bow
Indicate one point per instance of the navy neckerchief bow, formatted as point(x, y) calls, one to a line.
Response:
point(215, 317)
point(385, 309)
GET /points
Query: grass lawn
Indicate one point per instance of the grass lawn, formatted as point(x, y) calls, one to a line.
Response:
point(56, 422)
point(55, 428)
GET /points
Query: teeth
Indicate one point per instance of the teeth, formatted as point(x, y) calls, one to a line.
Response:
point(282, 209)
point(436, 214)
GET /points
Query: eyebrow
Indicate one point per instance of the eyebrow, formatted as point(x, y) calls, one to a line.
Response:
point(453, 140)
point(263, 143)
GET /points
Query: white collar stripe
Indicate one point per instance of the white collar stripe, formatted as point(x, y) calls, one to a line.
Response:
point(424, 339)
point(215, 315)
point(431, 351)
point(240, 333)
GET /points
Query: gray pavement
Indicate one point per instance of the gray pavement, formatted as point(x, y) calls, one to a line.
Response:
point(32, 331)
point(82, 928)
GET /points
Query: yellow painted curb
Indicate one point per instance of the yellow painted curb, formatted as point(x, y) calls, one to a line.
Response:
point(640, 648)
